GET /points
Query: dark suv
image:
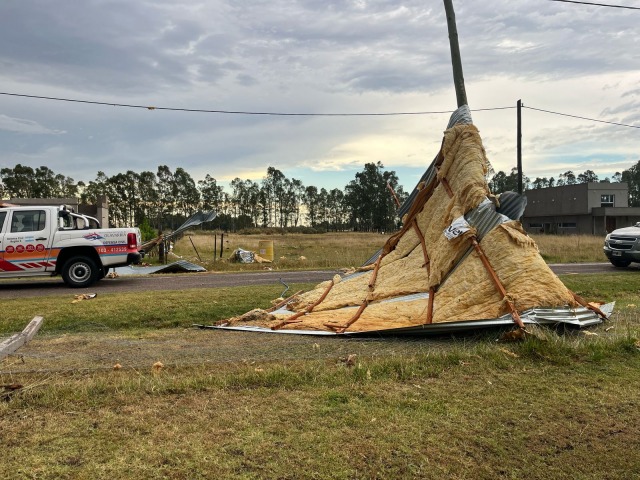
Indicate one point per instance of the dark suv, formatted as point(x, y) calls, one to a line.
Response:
point(622, 246)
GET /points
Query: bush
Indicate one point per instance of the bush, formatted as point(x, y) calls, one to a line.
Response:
point(147, 231)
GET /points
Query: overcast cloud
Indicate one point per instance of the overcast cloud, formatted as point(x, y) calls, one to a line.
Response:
point(312, 57)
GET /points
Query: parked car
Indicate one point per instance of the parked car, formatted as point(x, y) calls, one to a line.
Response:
point(622, 246)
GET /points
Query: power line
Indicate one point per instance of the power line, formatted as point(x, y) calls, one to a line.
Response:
point(240, 112)
point(290, 114)
point(582, 118)
point(597, 4)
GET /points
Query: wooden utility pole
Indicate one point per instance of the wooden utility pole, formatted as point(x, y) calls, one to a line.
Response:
point(456, 60)
point(519, 143)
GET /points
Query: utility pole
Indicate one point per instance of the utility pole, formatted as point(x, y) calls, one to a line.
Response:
point(456, 60)
point(519, 143)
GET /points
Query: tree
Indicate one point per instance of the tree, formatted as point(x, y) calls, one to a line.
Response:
point(632, 177)
point(18, 181)
point(45, 184)
point(310, 199)
point(566, 178)
point(540, 183)
point(588, 177)
point(335, 208)
point(370, 205)
point(211, 193)
point(166, 199)
point(186, 193)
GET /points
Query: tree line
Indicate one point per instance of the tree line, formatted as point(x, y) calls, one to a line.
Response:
point(501, 182)
point(165, 198)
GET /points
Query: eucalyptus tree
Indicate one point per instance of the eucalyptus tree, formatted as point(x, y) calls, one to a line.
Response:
point(187, 195)
point(148, 198)
point(310, 199)
point(271, 194)
point(336, 209)
point(588, 176)
point(211, 194)
point(566, 178)
point(166, 200)
point(371, 207)
point(632, 178)
point(289, 202)
point(19, 181)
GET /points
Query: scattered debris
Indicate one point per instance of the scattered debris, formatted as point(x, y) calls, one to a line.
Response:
point(255, 315)
point(246, 256)
point(180, 266)
point(349, 360)
point(510, 353)
point(9, 390)
point(117, 366)
point(112, 275)
point(13, 343)
point(517, 335)
point(158, 366)
point(609, 328)
point(84, 296)
point(587, 333)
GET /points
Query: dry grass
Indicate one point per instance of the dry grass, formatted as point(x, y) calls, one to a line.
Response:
point(291, 251)
point(349, 249)
point(571, 248)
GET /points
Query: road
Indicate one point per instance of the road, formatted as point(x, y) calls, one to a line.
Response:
point(36, 287)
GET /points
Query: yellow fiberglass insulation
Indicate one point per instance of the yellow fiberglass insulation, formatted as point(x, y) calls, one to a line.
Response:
point(420, 259)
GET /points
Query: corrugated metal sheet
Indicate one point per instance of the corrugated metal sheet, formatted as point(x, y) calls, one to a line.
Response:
point(180, 266)
point(574, 317)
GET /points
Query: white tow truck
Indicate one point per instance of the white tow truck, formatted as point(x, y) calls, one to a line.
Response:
point(51, 241)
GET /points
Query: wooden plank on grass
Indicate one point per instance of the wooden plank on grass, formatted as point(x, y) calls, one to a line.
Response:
point(13, 343)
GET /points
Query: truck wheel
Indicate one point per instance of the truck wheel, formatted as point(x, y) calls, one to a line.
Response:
point(619, 263)
point(80, 272)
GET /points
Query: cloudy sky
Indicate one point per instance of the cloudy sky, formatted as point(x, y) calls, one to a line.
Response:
point(312, 56)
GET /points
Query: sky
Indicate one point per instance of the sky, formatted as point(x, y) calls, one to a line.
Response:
point(314, 57)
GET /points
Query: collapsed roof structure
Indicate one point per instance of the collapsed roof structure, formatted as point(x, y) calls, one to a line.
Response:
point(461, 259)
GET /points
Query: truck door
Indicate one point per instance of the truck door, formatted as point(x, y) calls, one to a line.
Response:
point(3, 216)
point(26, 243)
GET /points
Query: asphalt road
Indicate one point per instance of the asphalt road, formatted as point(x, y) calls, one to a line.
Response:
point(41, 286)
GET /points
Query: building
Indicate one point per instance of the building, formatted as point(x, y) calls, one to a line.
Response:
point(583, 208)
point(99, 211)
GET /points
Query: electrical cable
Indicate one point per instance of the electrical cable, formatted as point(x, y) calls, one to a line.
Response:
point(290, 114)
point(597, 4)
point(582, 118)
point(240, 112)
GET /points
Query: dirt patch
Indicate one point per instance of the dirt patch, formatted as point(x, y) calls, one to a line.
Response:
point(103, 350)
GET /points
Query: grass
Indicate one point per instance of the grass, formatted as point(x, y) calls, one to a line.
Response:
point(350, 249)
point(570, 248)
point(139, 310)
point(291, 251)
point(473, 412)
point(558, 405)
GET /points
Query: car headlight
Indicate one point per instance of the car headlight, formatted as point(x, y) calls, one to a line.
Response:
point(606, 239)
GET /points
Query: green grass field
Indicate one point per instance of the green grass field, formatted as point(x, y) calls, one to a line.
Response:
point(244, 405)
